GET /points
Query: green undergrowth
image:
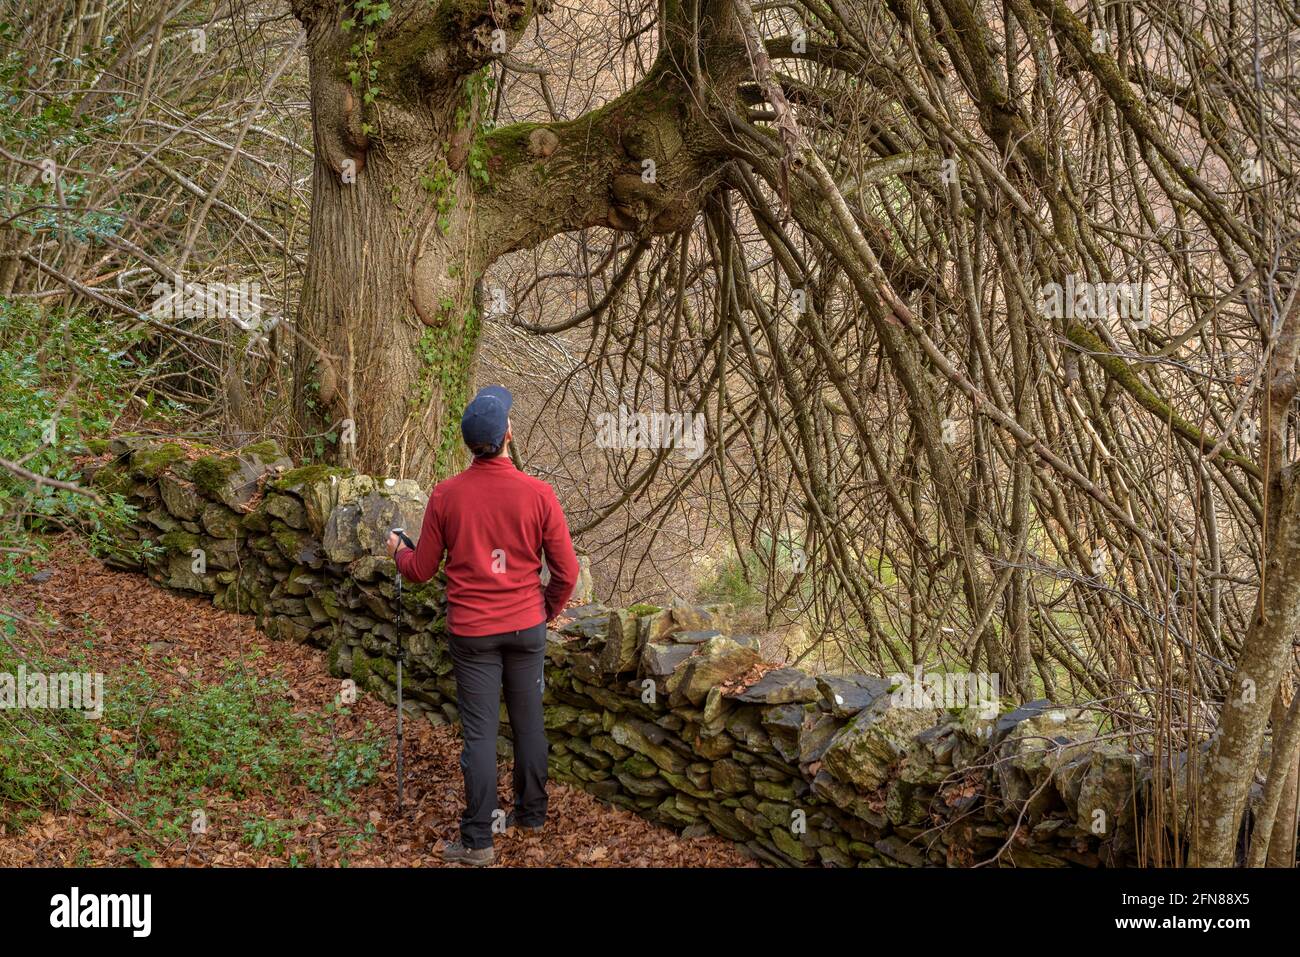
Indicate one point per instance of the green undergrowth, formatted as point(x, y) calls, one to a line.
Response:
point(163, 756)
point(65, 380)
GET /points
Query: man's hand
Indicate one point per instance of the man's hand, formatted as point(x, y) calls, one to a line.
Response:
point(393, 544)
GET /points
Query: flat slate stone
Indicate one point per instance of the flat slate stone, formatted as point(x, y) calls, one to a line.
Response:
point(782, 686)
point(593, 627)
point(815, 738)
point(590, 610)
point(716, 662)
point(1008, 721)
point(662, 658)
point(848, 694)
point(783, 723)
point(695, 637)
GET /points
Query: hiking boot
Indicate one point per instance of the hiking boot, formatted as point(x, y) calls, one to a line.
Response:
point(454, 852)
point(512, 823)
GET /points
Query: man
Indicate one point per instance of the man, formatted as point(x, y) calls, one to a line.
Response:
point(494, 523)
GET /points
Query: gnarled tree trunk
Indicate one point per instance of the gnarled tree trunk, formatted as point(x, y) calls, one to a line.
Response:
point(413, 200)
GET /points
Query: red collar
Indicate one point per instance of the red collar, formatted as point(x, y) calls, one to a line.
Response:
point(496, 462)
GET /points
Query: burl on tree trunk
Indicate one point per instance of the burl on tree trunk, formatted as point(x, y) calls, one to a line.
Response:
point(413, 199)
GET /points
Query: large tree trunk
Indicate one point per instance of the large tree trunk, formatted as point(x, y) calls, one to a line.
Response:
point(412, 201)
point(386, 352)
point(388, 323)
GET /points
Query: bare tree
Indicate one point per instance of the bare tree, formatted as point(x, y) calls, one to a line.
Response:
point(988, 309)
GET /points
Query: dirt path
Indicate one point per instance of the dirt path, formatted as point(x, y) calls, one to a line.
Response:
point(184, 641)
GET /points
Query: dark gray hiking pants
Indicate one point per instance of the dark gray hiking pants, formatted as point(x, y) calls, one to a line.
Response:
point(484, 665)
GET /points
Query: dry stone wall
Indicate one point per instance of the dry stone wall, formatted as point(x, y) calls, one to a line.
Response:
point(653, 709)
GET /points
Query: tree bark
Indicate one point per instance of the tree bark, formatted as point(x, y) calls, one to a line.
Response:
point(1273, 842)
point(1265, 653)
point(1231, 763)
point(412, 201)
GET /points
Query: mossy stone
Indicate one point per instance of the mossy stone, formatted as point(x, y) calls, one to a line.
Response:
point(775, 790)
point(332, 657)
point(255, 521)
point(220, 522)
point(730, 776)
point(267, 451)
point(295, 479)
point(791, 846)
point(179, 542)
point(286, 508)
point(153, 461)
point(210, 472)
point(180, 497)
point(361, 669)
point(638, 765)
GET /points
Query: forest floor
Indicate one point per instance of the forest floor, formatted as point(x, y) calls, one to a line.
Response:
point(121, 624)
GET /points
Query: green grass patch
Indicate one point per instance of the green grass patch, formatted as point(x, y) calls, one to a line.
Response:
point(161, 753)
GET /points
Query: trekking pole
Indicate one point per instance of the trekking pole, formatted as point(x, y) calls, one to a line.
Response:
point(401, 656)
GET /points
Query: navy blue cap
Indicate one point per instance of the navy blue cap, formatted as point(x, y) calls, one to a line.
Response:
point(486, 418)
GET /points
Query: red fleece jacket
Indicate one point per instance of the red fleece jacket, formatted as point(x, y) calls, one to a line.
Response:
point(494, 522)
